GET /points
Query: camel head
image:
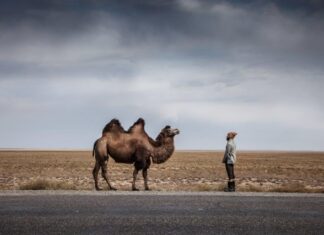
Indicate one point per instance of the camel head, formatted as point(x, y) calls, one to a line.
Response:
point(167, 133)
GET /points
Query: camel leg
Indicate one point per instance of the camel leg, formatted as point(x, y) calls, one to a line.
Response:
point(145, 179)
point(105, 174)
point(95, 175)
point(135, 172)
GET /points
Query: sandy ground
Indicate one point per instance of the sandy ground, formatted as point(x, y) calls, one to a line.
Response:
point(184, 171)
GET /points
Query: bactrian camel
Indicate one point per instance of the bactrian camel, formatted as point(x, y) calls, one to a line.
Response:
point(133, 146)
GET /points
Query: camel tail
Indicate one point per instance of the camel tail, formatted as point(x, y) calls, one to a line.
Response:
point(94, 148)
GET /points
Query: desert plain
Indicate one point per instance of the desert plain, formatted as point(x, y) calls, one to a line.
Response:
point(256, 171)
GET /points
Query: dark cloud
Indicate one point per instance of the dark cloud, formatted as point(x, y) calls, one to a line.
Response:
point(106, 38)
point(268, 28)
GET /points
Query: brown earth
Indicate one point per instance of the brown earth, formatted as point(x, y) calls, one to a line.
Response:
point(185, 171)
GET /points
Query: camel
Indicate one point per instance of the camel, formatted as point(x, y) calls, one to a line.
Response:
point(133, 146)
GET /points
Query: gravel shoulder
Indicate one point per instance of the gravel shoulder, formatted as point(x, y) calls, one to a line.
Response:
point(153, 193)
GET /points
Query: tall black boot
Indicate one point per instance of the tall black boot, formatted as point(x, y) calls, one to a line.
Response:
point(228, 187)
point(232, 186)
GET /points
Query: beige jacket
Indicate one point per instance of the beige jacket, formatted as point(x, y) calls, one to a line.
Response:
point(230, 152)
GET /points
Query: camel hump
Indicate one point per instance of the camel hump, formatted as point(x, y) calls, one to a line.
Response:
point(114, 124)
point(138, 125)
point(140, 121)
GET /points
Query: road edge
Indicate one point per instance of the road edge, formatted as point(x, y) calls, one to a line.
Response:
point(151, 193)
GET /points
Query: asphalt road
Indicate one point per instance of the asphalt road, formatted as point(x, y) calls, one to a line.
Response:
point(160, 213)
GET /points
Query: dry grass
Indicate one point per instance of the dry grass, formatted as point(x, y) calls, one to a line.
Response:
point(41, 184)
point(185, 171)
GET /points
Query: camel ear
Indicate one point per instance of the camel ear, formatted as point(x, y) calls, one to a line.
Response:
point(167, 127)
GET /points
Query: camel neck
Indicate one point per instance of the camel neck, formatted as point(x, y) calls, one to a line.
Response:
point(163, 153)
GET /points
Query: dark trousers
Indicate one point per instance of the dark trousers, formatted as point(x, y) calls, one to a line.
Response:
point(230, 171)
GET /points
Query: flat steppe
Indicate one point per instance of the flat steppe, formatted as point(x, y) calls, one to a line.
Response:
point(266, 171)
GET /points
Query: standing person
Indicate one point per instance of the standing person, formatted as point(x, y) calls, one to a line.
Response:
point(229, 160)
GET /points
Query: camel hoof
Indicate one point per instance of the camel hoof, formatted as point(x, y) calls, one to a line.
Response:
point(147, 189)
point(135, 189)
point(112, 188)
point(99, 189)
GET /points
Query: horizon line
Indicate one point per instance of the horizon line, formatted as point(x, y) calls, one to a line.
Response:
point(177, 150)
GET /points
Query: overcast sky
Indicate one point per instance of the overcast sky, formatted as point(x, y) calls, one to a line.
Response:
point(205, 67)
